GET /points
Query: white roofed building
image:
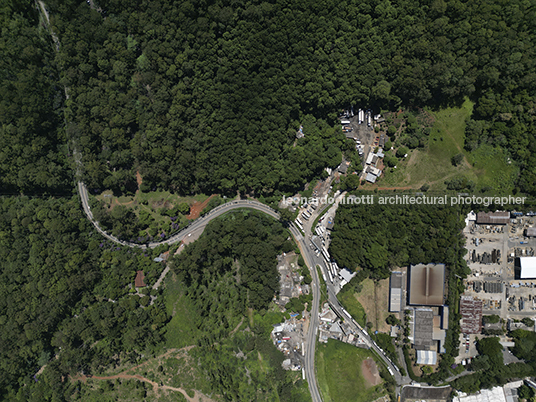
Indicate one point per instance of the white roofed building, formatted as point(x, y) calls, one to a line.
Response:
point(428, 357)
point(346, 275)
point(528, 267)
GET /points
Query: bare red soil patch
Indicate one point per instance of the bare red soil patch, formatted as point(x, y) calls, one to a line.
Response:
point(370, 372)
point(197, 207)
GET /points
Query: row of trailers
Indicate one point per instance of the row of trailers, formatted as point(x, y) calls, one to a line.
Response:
point(305, 215)
point(331, 268)
point(362, 117)
point(299, 224)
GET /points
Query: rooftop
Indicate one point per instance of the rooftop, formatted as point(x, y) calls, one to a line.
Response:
point(139, 281)
point(428, 357)
point(423, 320)
point(371, 178)
point(427, 284)
point(493, 218)
point(528, 267)
point(471, 312)
point(531, 232)
point(395, 299)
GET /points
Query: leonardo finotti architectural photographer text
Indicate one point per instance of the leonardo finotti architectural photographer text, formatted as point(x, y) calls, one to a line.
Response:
point(409, 200)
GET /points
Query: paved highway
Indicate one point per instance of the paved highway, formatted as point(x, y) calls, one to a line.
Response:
point(310, 373)
point(195, 227)
point(312, 260)
point(198, 226)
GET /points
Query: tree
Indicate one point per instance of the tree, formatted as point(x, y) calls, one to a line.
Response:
point(457, 159)
point(351, 182)
point(285, 215)
point(392, 320)
point(480, 363)
point(528, 322)
point(183, 208)
point(492, 348)
point(525, 392)
point(401, 152)
point(426, 370)
point(390, 160)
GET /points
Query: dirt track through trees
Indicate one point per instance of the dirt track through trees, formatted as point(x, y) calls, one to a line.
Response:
point(198, 396)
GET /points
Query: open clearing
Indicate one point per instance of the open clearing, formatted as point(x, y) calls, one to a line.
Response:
point(181, 330)
point(197, 207)
point(154, 202)
point(487, 167)
point(352, 305)
point(375, 301)
point(370, 372)
point(148, 373)
point(340, 373)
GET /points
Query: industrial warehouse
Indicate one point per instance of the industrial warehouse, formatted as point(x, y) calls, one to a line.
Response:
point(420, 295)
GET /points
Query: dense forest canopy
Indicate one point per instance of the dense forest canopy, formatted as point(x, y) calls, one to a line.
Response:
point(68, 301)
point(379, 237)
point(242, 249)
point(32, 143)
point(207, 96)
point(63, 286)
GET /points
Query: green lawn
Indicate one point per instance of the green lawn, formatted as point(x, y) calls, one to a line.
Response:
point(151, 203)
point(353, 306)
point(486, 167)
point(339, 375)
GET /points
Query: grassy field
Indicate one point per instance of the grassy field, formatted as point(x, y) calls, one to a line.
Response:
point(181, 330)
point(339, 373)
point(152, 202)
point(486, 167)
point(355, 308)
point(375, 305)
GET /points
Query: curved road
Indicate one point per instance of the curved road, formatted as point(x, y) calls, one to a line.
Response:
point(310, 258)
point(197, 226)
point(310, 373)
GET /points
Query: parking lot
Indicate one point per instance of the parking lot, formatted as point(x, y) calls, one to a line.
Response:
point(467, 348)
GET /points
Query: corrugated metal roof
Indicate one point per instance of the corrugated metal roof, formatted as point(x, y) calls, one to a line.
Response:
point(471, 312)
point(423, 319)
point(395, 303)
point(428, 357)
point(371, 178)
point(493, 218)
point(427, 284)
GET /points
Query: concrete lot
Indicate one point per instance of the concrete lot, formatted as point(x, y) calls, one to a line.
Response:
point(501, 243)
point(492, 250)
